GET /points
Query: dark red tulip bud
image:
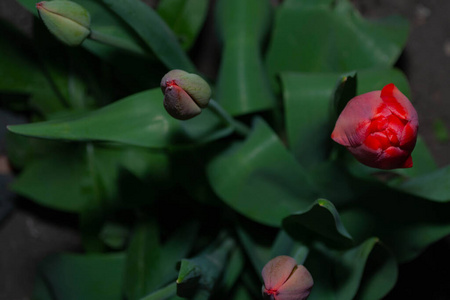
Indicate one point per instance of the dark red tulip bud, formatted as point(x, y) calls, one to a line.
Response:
point(379, 128)
point(285, 280)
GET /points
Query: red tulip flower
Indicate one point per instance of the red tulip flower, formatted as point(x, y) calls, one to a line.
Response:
point(379, 128)
point(285, 280)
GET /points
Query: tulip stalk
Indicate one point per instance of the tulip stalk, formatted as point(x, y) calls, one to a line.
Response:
point(239, 127)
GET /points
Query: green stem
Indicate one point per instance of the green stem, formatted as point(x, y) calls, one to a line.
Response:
point(239, 127)
point(115, 41)
point(164, 293)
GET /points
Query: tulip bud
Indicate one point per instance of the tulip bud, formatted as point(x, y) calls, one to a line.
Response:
point(285, 280)
point(379, 128)
point(66, 20)
point(185, 94)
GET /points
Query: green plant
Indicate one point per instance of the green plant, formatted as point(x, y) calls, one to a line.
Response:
point(198, 207)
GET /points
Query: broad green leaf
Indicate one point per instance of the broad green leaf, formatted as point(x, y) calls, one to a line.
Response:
point(376, 78)
point(153, 31)
point(138, 120)
point(242, 84)
point(340, 39)
point(151, 264)
point(351, 274)
point(321, 222)
point(337, 184)
point(307, 100)
point(433, 186)
point(185, 18)
point(200, 274)
point(59, 181)
point(260, 179)
point(76, 276)
point(406, 224)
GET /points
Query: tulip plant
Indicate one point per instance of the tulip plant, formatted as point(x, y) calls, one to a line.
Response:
point(295, 173)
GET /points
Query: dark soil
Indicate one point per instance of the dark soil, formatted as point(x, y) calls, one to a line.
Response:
point(29, 233)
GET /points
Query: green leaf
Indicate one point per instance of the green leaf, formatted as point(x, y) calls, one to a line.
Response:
point(307, 99)
point(339, 40)
point(242, 84)
point(321, 222)
point(153, 31)
point(150, 264)
point(201, 273)
point(405, 223)
point(367, 271)
point(75, 276)
point(433, 186)
point(138, 120)
point(260, 179)
point(59, 181)
point(185, 18)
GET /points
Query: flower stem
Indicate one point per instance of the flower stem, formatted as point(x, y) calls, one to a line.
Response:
point(115, 41)
point(239, 127)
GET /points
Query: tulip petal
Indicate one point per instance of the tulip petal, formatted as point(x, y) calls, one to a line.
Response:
point(366, 155)
point(277, 271)
point(408, 137)
point(398, 103)
point(298, 286)
point(392, 158)
point(353, 123)
point(179, 104)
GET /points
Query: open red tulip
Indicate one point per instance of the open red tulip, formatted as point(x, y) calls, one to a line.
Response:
point(285, 280)
point(379, 128)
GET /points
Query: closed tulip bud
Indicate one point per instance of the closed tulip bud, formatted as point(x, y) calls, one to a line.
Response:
point(379, 128)
point(185, 94)
point(66, 20)
point(285, 280)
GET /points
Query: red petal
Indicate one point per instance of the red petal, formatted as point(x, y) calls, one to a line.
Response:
point(398, 103)
point(408, 137)
point(408, 163)
point(392, 158)
point(277, 271)
point(352, 126)
point(298, 286)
